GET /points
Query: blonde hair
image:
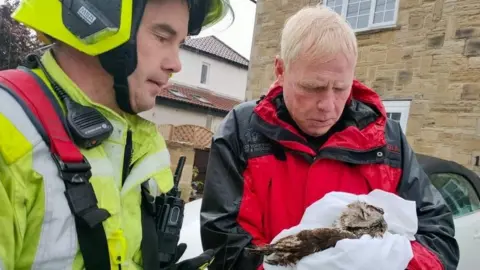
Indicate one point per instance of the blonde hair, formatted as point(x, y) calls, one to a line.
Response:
point(319, 33)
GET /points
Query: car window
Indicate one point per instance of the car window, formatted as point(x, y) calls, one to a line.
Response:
point(458, 192)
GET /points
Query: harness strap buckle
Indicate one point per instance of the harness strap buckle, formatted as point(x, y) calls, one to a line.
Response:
point(83, 204)
point(73, 172)
point(79, 191)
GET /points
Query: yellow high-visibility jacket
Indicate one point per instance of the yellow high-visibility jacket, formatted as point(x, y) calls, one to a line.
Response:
point(37, 228)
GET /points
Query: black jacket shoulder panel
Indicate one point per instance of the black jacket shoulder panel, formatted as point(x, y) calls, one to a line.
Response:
point(436, 230)
point(393, 136)
point(237, 119)
point(238, 128)
point(223, 192)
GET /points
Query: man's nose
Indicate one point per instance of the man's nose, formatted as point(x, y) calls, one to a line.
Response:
point(172, 62)
point(326, 100)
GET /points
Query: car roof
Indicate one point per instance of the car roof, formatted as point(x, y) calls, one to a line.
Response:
point(434, 165)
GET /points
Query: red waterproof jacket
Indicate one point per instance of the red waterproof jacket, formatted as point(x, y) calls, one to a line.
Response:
point(262, 174)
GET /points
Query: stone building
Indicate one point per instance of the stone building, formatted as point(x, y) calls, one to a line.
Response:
point(421, 56)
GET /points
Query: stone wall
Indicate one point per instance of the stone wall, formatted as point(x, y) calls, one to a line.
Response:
point(176, 151)
point(432, 57)
point(270, 18)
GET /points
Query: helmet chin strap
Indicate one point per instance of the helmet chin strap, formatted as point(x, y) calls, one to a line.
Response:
point(122, 61)
point(122, 94)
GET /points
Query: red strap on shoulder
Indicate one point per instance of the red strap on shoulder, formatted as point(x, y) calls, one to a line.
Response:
point(28, 89)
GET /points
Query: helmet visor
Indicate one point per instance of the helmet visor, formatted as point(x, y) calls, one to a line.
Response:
point(209, 17)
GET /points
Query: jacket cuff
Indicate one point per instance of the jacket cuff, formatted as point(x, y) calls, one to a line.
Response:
point(423, 258)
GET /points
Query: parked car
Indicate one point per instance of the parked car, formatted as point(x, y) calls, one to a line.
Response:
point(461, 189)
point(459, 186)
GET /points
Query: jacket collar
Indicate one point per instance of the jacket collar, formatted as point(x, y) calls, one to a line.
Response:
point(72, 89)
point(364, 121)
point(150, 151)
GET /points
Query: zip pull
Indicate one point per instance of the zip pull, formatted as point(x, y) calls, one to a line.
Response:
point(117, 246)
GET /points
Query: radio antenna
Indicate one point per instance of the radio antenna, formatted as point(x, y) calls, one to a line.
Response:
point(177, 176)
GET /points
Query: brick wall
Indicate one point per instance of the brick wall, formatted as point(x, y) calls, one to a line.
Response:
point(432, 57)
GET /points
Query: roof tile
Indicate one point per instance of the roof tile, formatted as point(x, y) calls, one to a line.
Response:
point(212, 45)
point(199, 97)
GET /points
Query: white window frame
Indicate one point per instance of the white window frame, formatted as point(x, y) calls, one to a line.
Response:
point(399, 106)
point(371, 25)
point(207, 76)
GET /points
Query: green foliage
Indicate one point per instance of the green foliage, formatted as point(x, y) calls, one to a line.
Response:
point(197, 185)
point(16, 41)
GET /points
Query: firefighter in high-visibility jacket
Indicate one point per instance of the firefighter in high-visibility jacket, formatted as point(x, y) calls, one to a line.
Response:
point(107, 62)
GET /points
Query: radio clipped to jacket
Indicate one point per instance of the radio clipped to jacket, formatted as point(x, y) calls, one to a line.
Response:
point(169, 219)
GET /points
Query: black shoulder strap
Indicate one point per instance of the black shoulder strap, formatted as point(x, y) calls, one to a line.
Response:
point(35, 98)
point(151, 260)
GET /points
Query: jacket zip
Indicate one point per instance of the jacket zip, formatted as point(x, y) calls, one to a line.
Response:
point(127, 159)
point(268, 224)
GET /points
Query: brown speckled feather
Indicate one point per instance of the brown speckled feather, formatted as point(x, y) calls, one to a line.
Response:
point(291, 249)
point(357, 220)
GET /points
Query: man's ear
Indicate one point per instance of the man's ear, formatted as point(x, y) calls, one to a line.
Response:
point(279, 69)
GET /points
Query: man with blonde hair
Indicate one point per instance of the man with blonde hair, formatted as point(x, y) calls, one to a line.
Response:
point(317, 130)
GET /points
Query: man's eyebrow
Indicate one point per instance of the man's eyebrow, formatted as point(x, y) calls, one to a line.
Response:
point(314, 84)
point(163, 27)
point(340, 85)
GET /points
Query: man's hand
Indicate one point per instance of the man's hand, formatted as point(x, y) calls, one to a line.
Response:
point(200, 262)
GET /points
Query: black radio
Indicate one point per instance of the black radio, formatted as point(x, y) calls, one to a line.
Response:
point(169, 219)
point(86, 125)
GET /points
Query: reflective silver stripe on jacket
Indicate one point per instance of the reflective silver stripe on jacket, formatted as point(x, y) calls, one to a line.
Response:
point(58, 239)
point(149, 165)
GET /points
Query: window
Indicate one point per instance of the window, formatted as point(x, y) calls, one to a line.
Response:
point(398, 110)
point(177, 93)
point(366, 14)
point(201, 99)
point(204, 75)
point(457, 191)
point(395, 116)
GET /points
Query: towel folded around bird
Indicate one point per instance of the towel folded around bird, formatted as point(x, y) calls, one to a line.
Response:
point(391, 252)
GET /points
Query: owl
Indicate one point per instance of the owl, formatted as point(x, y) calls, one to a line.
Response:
point(358, 219)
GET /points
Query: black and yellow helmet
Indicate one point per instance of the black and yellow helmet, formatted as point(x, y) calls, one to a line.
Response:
point(108, 28)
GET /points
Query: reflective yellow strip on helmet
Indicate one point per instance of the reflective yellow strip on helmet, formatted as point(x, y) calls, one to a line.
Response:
point(33, 14)
point(218, 9)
